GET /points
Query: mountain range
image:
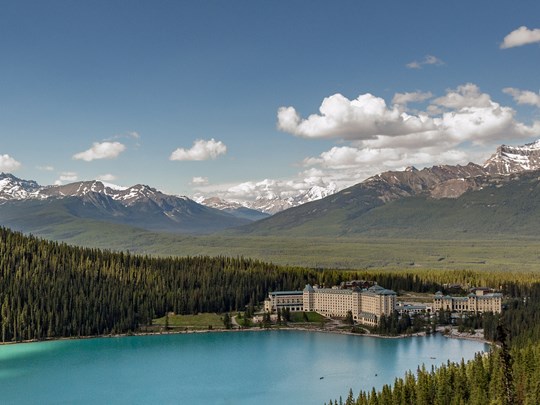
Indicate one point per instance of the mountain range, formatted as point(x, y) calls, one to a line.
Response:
point(27, 206)
point(497, 197)
point(269, 203)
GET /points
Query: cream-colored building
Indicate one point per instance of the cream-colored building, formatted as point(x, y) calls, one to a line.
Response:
point(479, 301)
point(293, 300)
point(366, 305)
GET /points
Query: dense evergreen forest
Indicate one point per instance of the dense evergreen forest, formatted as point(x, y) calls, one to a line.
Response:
point(49, 289)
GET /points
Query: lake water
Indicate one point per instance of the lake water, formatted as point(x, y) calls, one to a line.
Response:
point(270, 367)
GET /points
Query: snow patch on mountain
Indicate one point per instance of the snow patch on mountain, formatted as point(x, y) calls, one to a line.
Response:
point(514, 159)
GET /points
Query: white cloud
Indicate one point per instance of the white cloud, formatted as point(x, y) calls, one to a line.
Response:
point(199, 181)
point(523, 96)
point(462, 115)
point(428, 60)
point(201, 150)
point(270, 188)
point(106, 177)
point(8, 164)
point(101, 150)
point(413, 97)
point(45, 168)
point(466, 95)
point(383, 159)
point(461, 126)
point(521, 36)
point(66, 177)
point(366, 117)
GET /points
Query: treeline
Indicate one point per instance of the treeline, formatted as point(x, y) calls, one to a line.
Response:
point(483, 380)
point(49, 289)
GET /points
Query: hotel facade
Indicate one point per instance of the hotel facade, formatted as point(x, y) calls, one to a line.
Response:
point(366, 305)
point(481, 300)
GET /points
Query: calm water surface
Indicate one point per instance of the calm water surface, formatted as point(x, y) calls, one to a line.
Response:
point(271, 367)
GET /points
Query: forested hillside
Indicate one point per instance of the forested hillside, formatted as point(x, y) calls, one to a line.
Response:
point(48, 289)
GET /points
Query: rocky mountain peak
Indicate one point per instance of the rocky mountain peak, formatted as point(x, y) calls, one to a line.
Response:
point(514, 159)
point(13, 188)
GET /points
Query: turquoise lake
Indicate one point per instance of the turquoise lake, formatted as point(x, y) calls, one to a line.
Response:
point(268, 367)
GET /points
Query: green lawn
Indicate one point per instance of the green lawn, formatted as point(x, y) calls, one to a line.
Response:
point(193, 322)
point(298, 317)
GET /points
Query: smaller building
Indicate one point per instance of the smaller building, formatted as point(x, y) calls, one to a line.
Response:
point(479, 300)
point(292, 300)
point(413, 308)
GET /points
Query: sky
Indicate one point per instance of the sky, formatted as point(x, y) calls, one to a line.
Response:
point(238, 98)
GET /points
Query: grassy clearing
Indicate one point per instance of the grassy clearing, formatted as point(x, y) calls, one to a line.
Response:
point(193, 322)
point(354, 253)
point(298, 317)
point(509, 254)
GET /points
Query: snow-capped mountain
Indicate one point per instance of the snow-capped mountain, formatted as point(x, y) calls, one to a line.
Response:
point(443, 181)
point(140, 205)
point(514, 159)
point(496, 198)
point(269, 202)
point(13, 188)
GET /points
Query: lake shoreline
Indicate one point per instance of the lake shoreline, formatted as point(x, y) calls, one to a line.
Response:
point(452, 335)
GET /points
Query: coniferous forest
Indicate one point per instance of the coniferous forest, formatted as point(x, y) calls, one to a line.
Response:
point(49, 289)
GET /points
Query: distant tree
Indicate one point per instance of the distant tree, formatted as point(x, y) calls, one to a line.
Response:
point(227, 321)
point(266, 323)
point(349, 318)
point(286, 314)
point(167, 321)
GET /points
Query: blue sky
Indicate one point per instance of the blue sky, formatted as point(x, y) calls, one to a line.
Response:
point(120, 89)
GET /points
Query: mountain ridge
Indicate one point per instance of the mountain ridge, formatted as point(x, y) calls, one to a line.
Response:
point(340, 213)
point(347, 211)
point(140, 205)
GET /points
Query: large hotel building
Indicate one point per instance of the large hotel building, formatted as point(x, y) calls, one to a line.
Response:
point(366, 305)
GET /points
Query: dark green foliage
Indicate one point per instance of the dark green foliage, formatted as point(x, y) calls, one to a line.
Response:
point(349, 318)
point(50, 290)
point(227, 321)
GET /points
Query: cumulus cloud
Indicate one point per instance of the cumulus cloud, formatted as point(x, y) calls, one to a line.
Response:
point(346, 157)
point(286, 189)
point(8, 164)
point(466, 95)
point(428, 60)
point(365, 117)
point(413, 97)
point(464, 124)
point(106, 177)
point(201, 150)
point(521, 36)
point(464, 114)
point(199, 181)
point(523, 96)
point(101, 150)
point(66, 177)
